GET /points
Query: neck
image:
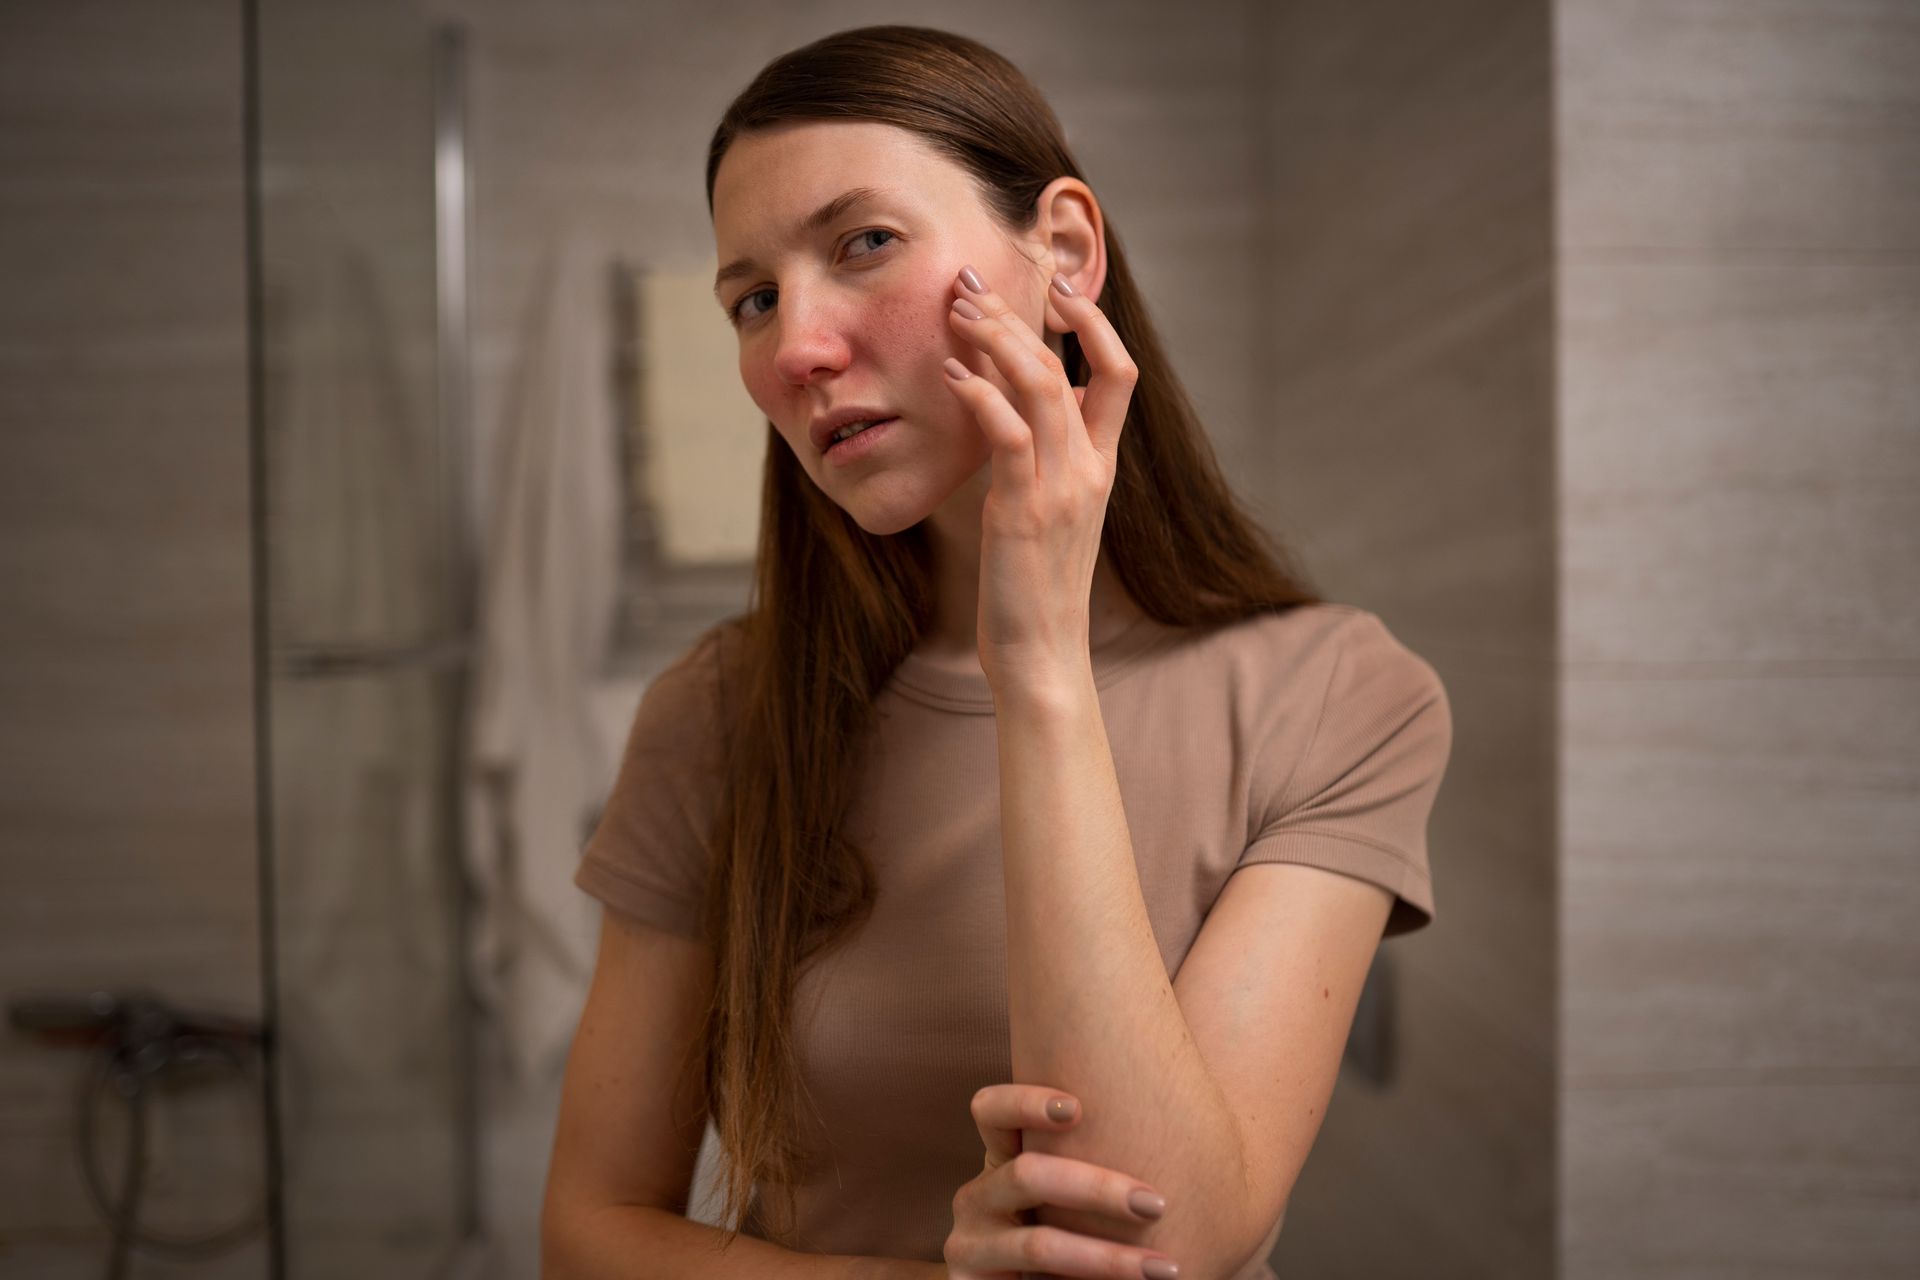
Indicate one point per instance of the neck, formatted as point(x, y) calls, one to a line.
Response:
point(954, 532)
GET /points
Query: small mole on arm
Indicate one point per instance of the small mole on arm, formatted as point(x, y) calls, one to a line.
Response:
point(1324, 993)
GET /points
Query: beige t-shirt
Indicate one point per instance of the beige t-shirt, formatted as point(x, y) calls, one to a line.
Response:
point(1310, 736)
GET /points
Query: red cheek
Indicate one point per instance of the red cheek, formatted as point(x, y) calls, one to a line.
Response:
point(764, 390)
point(900, 317)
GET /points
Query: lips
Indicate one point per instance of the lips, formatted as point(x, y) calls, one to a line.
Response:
point(821, 431)
point(869, 425)
point(860, 445)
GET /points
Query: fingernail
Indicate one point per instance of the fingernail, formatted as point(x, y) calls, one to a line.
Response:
point(1060, 283)
point(968, 310)
point(971, 278)
point(1160, 1269)
point(956, 370)
point(1063, 1109)
point(1147, 1204)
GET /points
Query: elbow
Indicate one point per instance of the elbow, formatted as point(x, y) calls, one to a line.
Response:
point(555, 1260)
point(1255, 1231)
point(1262, 1233)
point(559, 1254)
point(1224, 1253)
point(579, 1239)
point(1226, 1242)
point(567, 1231)
point(1208, 1255)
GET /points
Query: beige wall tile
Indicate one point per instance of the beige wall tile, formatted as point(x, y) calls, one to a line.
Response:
point(1409, 459)
point(1739, 889)
point(1792, 126)
point(1743, 1175)
point(1739, 450)
point(126, 772)
point(1417, 471)
point(1741, 461)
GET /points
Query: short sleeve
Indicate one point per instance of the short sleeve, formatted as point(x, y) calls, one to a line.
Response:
point(1357, 801)
point(650, 853)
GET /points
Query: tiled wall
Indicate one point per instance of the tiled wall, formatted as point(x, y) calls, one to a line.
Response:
point(1408, 440)
point(127, 851)
point(1739, 262)
point(1709, 647)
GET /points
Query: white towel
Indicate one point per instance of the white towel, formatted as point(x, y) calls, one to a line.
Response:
point(705, 439)
point(548, 590)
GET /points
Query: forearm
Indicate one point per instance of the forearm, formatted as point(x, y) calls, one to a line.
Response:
point(633, 1242)
point(1091, 1007)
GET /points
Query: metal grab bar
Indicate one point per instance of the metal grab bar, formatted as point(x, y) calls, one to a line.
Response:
point(309, 662)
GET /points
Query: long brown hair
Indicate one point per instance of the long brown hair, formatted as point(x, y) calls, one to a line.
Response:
point(834, 608)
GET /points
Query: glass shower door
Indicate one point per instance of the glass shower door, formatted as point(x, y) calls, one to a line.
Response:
point(359, 469)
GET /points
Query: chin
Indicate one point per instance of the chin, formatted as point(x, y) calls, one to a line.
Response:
point(883, 518)
point(887, 505)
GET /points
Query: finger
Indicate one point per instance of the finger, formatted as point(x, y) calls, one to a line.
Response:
point(1111, 371)
point(1053, 1251)
point(1036, 374)
point(1032, 368)
point(994, 305)
point(1035, 1178)
point(1001, 1111)
point(1015, 470)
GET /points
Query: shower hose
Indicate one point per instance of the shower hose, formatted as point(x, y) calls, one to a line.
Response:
point(137, 1041)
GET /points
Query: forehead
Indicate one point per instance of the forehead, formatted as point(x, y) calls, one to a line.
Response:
point(770, 179)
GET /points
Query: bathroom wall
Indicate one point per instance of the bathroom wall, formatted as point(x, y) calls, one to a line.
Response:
point(1407, 436)
point(127, 844)
point(1739, 478)
point(1582, 350)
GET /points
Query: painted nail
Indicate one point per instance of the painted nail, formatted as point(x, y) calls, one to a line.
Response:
point(1061, 283)
point(968, 310)
point(1063, 1109)
point(971, 278)
point(1160, 1269)
point(957, 371)
point(1147, 1204)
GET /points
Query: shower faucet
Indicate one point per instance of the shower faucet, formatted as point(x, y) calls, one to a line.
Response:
point(137, 1037)
point(135, 1024)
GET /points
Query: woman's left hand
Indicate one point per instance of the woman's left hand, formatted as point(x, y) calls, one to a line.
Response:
point(1054, 450)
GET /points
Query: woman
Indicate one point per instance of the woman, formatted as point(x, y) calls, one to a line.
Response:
point(1031, 806)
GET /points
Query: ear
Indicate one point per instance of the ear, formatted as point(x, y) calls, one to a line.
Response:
point(1072, 235)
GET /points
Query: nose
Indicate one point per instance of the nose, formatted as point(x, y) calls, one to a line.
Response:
point(812, 340)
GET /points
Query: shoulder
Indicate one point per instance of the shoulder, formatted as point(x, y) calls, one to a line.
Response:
point(1369, 655)
point(1340, 657)
point(687, 696)
point(1319, 636)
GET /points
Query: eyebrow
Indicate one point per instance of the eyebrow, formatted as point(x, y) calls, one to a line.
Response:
point(819, 218)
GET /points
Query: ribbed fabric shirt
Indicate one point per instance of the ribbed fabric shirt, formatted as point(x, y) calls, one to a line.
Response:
point(1308, 736)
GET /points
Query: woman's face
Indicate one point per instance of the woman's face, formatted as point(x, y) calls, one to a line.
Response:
point(852, 313)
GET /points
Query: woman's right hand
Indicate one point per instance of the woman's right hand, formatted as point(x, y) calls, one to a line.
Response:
point(994, 1236)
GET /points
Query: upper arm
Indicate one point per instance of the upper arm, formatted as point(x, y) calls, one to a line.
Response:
point(633, 1105)
point(1268, 991)
point(1336, 854)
